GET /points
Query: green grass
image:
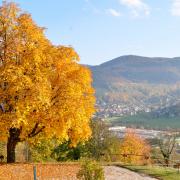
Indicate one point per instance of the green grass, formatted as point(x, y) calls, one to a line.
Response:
point(145, 120)
point(155, 171)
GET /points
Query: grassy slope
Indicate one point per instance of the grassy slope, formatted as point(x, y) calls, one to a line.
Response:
point(155, 171)
point(146, 120)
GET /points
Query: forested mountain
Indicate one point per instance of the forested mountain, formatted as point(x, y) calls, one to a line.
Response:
point(129, 84)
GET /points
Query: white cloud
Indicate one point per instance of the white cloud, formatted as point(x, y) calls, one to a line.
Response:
point(113, 12)
point(138, 7)
point(175, 10)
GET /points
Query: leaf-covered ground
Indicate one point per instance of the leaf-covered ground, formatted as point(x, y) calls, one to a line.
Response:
point(44, 171)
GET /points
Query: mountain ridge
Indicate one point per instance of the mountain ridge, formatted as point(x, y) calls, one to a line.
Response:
point(130, 66)
point(138, 56)
point(136, 82)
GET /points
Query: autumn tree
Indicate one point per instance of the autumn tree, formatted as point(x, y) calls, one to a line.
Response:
point(134, 149)
point(166, 146)
point(43, 89)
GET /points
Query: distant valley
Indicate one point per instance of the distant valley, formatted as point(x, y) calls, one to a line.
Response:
point(130, 85)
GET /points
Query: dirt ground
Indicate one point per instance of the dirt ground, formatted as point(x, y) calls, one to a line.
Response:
point(61, 172)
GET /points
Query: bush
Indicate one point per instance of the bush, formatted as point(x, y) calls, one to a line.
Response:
point(91, 170)
point(64, 152)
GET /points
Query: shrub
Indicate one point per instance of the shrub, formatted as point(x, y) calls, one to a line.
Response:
point(91, 170)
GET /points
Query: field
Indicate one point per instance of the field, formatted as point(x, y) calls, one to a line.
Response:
point(157, 172)
point(16, 171)
point(145, 120)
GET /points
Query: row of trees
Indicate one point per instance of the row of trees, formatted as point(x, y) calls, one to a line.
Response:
point(102, 146)
point(106, 146)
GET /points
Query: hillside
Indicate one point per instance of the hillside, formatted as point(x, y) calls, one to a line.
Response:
point(129, 84)
point(137, 69)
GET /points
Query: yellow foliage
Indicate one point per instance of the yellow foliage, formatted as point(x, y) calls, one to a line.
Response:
point(134, 149)
point(43, 89)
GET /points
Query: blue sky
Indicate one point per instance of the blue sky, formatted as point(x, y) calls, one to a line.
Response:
point(101, 30)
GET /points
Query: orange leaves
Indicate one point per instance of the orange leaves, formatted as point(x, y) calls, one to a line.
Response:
point(41, 85)
point(67, 54)
point(134, 149)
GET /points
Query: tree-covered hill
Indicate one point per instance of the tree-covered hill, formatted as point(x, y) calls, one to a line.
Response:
point(134, 83)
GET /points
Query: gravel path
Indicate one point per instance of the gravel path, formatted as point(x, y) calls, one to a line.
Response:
point(118, 173)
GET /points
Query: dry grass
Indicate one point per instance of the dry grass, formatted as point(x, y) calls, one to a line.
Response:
point(44, 171)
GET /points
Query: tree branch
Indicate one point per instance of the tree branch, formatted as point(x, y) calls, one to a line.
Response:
point(34, 129)
point(36, 132)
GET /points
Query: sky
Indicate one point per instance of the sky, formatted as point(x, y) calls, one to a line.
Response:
point(100, 30)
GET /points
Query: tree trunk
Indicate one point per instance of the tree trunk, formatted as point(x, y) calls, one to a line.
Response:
point(167, 162)
point(13, 140)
